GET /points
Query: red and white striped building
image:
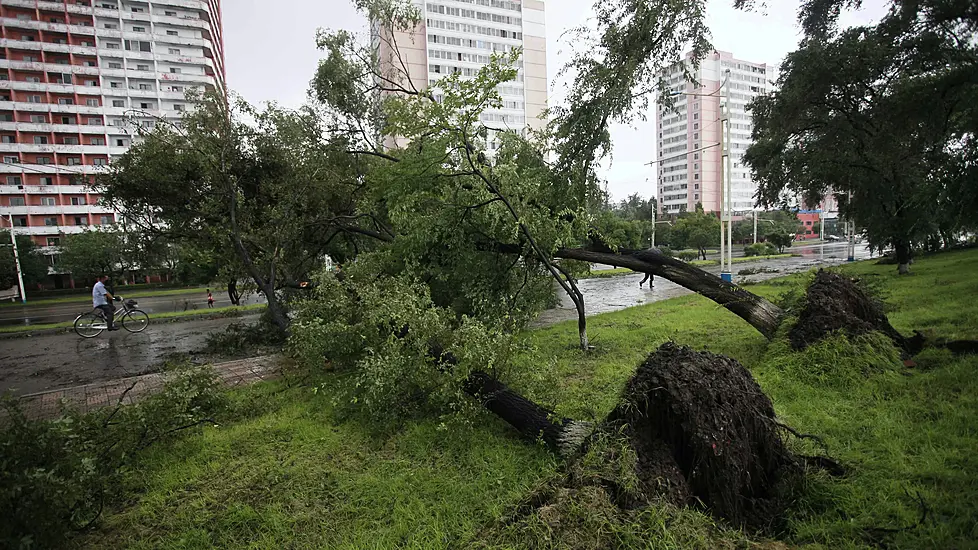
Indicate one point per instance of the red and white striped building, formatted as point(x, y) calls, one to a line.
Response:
point(76, 79)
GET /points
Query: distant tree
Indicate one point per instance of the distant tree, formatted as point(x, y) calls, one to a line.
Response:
point(698, 230)
point(33, 264)
point(780, 238)
point(92, 253)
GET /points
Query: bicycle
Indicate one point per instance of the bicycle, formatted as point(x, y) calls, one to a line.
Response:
point(91, 324)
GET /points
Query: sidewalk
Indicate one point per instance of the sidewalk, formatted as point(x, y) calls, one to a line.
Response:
point(83, 399)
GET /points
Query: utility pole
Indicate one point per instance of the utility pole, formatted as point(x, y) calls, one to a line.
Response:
point(20, 273)
point(726, 225)
point(755, 226)
point(850, 232)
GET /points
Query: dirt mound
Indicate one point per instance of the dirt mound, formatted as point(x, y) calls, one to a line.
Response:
point(834, 302)
point(703, 429)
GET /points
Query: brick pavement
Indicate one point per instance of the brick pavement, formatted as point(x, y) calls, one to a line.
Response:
point(101, 394)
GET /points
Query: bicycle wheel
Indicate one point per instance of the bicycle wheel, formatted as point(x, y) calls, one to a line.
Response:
point(135, 320)
point(89, 325)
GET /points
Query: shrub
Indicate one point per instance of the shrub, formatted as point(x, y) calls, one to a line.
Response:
point(760, 249)
point(687, 256)
point(382, 331)
point(56, 476)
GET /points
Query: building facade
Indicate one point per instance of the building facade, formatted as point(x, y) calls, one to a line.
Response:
point(459, 36)
point(689, 160)
point(77, 79)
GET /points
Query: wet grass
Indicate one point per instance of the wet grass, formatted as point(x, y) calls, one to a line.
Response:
point(742, 260)
point(288, 473)
point(216, 313)
point(82, 296)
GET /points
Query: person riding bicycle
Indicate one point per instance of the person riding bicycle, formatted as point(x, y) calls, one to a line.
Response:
point(102, 299)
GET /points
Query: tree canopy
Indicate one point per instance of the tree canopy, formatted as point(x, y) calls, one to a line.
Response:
point(33, 264)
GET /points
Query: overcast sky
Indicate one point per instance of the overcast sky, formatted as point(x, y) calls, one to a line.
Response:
point(271, 55)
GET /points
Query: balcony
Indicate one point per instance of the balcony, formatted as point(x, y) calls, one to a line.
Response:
point(45, 128)
point(54, 230)
point(44, 189)
point(50, 108)
point(43, 26)
point(42, 86)
point(47, 46)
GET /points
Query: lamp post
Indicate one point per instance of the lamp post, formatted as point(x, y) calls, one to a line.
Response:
point(20, 273)
point(726, 219)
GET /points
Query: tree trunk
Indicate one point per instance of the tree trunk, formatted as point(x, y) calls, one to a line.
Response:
point(904, 256)
point(233, 293)
point(760, 313)
point(276, 310)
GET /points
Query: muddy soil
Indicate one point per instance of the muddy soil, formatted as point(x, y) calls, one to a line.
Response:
point(52, 361)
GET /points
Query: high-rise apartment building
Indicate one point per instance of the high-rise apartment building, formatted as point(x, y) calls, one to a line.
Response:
point(689, 153)
point(459, 36)
point(76, 77)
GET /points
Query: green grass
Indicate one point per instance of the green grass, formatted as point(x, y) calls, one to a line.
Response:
point(171, 315)
point(82, 297)
point(292, 474)
point(607, 273)
point(742, 260)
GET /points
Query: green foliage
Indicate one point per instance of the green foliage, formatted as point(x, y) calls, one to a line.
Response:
point(89, 254)
point(852, 106)
point(382, 332)
point(57, 476)
point(760, 249)
point(698, 230)
point(33, 264)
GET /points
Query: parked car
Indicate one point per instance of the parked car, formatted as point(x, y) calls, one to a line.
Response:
point(833, 238)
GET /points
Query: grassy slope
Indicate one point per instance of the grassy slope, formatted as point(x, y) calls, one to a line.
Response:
point(170, 315)
point(292, 475)
point(82, 297)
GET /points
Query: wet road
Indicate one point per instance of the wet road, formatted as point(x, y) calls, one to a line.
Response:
point(58, 313)
point(615, 293)
point(40, 363)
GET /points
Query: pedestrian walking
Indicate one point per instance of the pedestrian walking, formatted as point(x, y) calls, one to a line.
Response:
point(648, 277)
point(210, 299)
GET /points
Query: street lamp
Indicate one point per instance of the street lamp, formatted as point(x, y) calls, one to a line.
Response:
point(20, 273)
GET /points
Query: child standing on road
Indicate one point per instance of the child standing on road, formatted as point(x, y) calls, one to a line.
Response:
point(210, 299)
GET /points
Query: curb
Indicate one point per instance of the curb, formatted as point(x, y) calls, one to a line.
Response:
point(166, 320)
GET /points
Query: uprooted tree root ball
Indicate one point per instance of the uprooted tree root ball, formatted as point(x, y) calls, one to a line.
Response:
point(834, 302)
point(691, 428)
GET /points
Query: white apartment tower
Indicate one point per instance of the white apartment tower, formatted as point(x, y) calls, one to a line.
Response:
point(689, 150)
point(75, 76)
point(459, 36)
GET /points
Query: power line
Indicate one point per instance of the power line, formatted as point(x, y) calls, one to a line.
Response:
point(683, 154)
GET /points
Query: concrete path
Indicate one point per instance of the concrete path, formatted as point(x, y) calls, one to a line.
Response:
point(46, 405)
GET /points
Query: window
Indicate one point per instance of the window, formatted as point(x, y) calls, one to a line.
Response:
point(33, 79)
point(696, 126)
point(67, 120)
point(136, 9)
point(47, 201)
point(170, 13)
point(27, 38)
point(39, 119)
point(174, 51)
point(107, 220)
point(91, 102)
point(120, 143)
point(175, 70)
point(115, 65)
point(139, 29)
point(6, 117)
point(696, 176)
point(98, 141)
point(9, 159)
point(144, 106)
point(172, 33)
point(66, 101)
point(20, 222)
point(177, 88)
point(136, 45)
point(7, 139)
point(13, 180)
point(4, 76)
point(23, 17)
point(113, 84)
point(696, 136)
point(118, 103)
point(40, 140)
point(91, 82)
point(33, 99)
point(87, 44)
point(78, 201)
point(696, 116)
point(696, 196)
point(142, 67)
point(17, 201)
point(111, 26)
point(30, 59)
point(69, 140)
point(54, 241)
point(696, 186)
point(74, 161)
point(47, 180)
point(81, 220)
point(43, 160)
point(98, 162)
point(178, 108)
point(144, 86)
point(94, 122)
point(112, 45)
point(66, 78)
